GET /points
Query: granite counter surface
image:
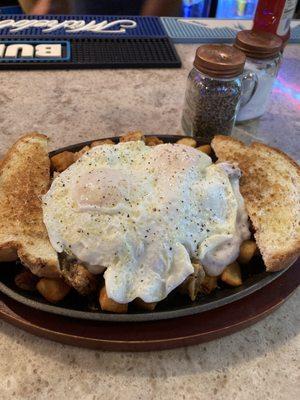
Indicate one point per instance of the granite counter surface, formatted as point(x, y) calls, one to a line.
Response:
point(260, 362)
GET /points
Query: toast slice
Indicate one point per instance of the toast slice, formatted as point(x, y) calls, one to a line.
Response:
point(270, 186)
point(24, 177)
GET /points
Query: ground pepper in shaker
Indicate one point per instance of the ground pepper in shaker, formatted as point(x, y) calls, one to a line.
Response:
point(213, 91)
point(262, 50)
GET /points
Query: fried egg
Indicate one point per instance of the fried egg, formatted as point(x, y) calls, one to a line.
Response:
point(141, 214)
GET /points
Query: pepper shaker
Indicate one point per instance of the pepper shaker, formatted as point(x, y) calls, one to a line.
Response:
point(213, 91)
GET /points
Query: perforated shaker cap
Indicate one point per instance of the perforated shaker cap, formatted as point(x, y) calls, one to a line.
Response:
point(219, 60)
point(260, 45)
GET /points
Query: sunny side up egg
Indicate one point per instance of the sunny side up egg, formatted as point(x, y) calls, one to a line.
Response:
point(141, 213)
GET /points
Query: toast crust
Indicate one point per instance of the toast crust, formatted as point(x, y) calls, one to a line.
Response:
point(265, 172)
point(24, 177)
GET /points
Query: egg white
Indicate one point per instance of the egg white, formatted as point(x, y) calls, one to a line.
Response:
point(141, 213)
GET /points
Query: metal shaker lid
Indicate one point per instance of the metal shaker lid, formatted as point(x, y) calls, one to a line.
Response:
point(260, 45)
point(219, 60)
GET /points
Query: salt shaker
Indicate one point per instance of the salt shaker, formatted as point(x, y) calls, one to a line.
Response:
point(213, 91)
point(262, 50)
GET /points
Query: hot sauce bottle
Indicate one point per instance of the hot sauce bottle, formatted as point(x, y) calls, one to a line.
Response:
point(275, 16)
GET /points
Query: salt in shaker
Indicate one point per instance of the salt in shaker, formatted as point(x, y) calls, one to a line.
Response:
point(262, 50)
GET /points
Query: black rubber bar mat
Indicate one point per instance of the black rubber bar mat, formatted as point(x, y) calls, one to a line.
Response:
point(151, 52)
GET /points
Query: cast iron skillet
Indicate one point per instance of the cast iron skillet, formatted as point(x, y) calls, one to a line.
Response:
point(75, 306)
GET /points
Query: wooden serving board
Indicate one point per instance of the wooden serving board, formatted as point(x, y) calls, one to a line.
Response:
point(154, 335)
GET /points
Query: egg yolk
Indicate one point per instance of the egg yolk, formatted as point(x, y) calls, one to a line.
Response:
point(100, 189)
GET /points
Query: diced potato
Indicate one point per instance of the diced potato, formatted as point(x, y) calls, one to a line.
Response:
point(26, 281)
point(152, 141)
point(78, 277)
point(132, 136)
point(62, 161)
point(187, 142)
point(209, 284)
point(232, 275)
point(192, 285)
point(54, 290)
point(81, 152)
point(247, 251)
point(8, 254)
point(110, 305)
point(142, 305)
point(101, 142)
point(206, 148)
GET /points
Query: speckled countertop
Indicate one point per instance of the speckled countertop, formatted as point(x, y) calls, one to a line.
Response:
point(261, 362)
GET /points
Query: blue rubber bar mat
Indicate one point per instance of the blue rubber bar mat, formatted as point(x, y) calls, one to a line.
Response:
point(199, 30)
point(79, 26)
point(150, 52)
point(65, 51)
point(11, 10)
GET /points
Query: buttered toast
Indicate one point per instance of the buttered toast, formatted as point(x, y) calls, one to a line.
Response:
point(270, 186)
point(24, 177)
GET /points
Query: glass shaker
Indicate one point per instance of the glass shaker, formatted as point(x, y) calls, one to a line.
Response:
point(213, 91)
point(262, 50)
